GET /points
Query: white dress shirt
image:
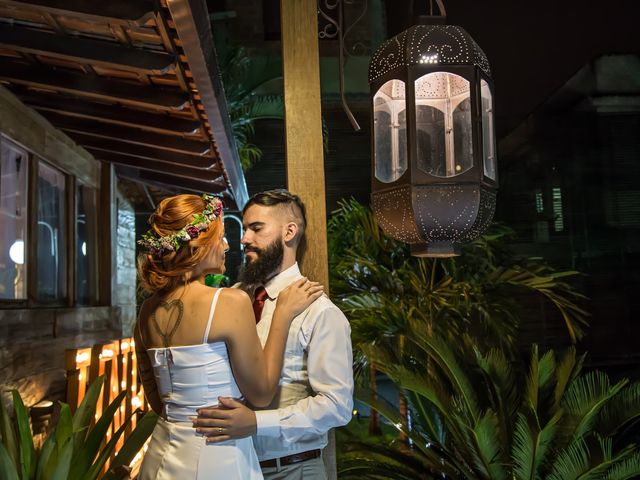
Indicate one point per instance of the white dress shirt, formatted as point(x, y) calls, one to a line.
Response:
point(315, 392)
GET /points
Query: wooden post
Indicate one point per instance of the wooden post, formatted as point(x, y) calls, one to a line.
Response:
point(303, 127)
point(303, 131)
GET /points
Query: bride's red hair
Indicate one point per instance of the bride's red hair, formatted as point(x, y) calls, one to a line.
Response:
point(166, 271)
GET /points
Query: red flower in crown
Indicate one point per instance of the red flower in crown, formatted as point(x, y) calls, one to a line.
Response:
point(193, 231)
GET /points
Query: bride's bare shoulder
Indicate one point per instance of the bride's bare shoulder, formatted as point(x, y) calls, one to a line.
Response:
point(234, 296)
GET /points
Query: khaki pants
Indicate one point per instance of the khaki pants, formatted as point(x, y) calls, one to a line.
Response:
point(312, 469)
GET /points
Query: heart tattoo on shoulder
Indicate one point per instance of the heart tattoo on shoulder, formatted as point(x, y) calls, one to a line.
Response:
point(174, 311)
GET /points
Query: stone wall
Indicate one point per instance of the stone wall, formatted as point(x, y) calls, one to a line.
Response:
point(124, 294)
point(33, 344)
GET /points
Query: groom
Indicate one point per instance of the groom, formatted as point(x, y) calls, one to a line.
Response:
point(316, 384)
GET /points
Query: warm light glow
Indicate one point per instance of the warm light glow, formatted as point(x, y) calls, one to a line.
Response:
point(118, 382)
point(133, 343)
point(136, 459)
point(429, 58)
point(16, 252)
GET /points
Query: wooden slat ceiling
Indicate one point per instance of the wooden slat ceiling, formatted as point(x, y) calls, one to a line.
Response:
point(116, 76)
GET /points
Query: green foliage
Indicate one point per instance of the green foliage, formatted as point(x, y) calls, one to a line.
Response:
point(74, 449)
point(549, 440)
point(444, 331)
point(216, 280)
point(246, 104)
point(246, 91)
point(468, 299)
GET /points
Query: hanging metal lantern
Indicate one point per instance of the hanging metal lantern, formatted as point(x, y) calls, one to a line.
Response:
point(434, 177)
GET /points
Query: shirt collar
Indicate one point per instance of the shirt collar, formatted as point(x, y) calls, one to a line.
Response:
point(282, 281)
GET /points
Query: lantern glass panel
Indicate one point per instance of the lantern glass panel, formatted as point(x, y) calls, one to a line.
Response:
point(390, 131)
point(443, 124)
point(488, 134)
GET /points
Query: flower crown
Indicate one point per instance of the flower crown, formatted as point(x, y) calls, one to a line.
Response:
point(171, 243)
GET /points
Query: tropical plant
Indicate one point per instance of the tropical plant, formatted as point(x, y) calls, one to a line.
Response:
point(250, 97)
point(445, 332)
point(247, 102)
point(381, 287)
point(476, 417)
point(75, 448)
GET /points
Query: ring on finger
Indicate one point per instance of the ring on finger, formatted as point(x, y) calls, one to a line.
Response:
point(220, 430)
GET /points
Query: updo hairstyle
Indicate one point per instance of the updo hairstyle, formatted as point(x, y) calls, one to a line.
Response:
point(165, 271)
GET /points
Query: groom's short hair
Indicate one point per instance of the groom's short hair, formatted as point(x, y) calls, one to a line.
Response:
point(289, 203)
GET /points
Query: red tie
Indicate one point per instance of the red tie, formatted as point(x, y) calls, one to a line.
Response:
point(258, 302)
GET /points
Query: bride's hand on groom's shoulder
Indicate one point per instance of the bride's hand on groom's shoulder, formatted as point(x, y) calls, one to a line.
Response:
point(228, 420)
point(294, 299)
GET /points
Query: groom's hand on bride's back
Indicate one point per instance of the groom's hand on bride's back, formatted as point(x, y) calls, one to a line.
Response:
point(230, 419)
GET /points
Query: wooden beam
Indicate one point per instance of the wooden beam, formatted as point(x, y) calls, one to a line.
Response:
point(135, 136)
point(92, 86)
point(85, 50)
point(114, 114)
point(304, 151)
point(113, 9)
point(191, 20)
point(168, 181)
point(179, 172)
point(206, 163)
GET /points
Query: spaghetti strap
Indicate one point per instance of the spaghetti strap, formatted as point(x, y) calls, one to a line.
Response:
point(213, 308)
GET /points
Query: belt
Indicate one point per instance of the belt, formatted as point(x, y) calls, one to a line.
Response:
point(290, 459)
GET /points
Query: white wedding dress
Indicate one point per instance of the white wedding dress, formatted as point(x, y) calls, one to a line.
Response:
point(189, 378)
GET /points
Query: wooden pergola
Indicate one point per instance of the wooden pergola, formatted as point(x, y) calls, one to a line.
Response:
point(134, 82)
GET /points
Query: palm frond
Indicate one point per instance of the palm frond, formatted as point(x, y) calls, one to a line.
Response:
point(532, 446)
point(621, 411)
point(627, 469)
point(585, 397)
point(488, 455)
point(571, 462)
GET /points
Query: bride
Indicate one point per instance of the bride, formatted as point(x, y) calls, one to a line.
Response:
point(196, 343)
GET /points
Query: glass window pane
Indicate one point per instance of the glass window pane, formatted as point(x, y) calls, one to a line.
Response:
point(51, 240)
point(13, 222)
point(462, 137)
point(488, 133)
point(443, 124)
point(390, 131)
point(86, 256)
point(430, 137)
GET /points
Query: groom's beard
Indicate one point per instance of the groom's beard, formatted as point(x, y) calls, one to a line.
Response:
point(267, 262)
